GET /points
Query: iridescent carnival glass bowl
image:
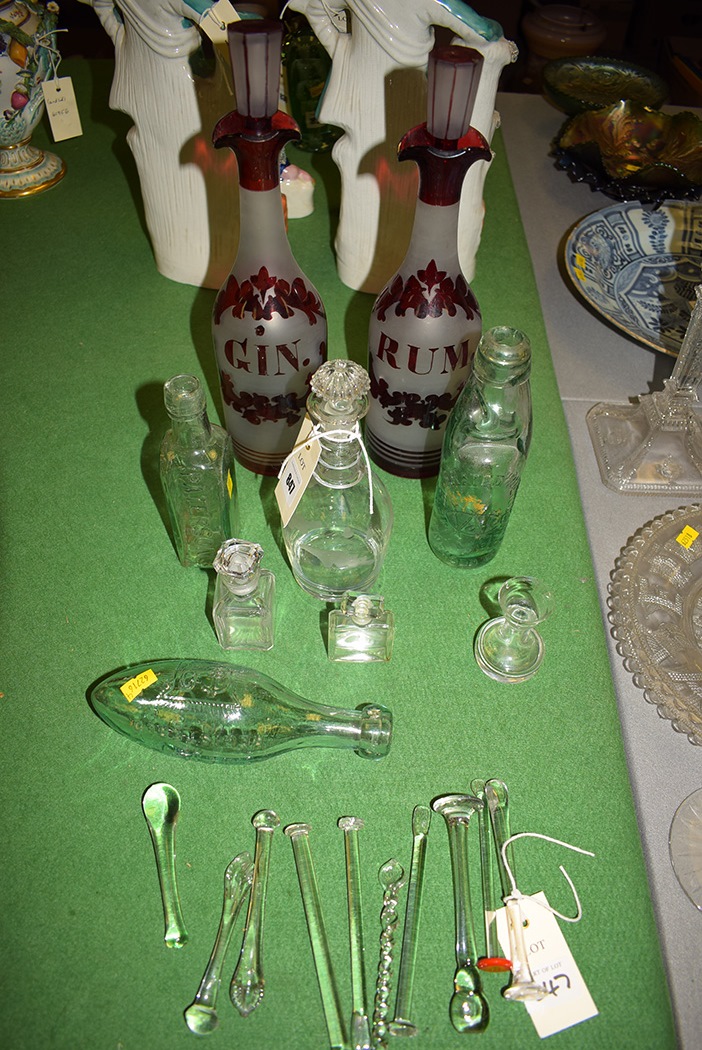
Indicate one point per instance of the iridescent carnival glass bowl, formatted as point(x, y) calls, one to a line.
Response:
point(593, 82)
point(632, 153)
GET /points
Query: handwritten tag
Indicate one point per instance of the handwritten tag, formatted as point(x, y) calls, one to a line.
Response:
point(687, 537)
point(62, 108)
point(296, 473)
point(138, 684)
point(567, 1001)
point(215, 20)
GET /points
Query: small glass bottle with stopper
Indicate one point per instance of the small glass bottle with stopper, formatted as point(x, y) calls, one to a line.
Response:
point(244, 598)
point(362, 630)
point(197, 473)
point(337, 535)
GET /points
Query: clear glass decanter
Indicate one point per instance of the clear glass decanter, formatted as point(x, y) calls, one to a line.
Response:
point(426, 322)
point(485, 447)
point(197, 474)
point(243, 609)
point(338, 534)
point(361, 630)
point(269, 326)
point(219, 712)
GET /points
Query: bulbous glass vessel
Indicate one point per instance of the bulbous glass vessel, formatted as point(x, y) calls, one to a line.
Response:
point(338, 534)
point(221, 712)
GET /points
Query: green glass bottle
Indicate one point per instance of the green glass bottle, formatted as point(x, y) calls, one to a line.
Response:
point(197, 474)
point(484, 450)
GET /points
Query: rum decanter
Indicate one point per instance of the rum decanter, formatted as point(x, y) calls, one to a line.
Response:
point(243, 609)
point(338, 533)
point(484, 450)
point(269, 325)
point(220, 712)
point(197, 474)
point(426, 321)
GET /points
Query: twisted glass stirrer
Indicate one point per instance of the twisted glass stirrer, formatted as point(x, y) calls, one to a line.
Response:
point(161, 806)
point(401, 1024)
point(360, 1031)
point(468, 1008)
point(392, 879)
point(201, 1016)
point(299, 835)
point(247, 984)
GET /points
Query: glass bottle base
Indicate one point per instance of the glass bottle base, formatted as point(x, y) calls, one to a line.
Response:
point(462, 561)
point(329, 562)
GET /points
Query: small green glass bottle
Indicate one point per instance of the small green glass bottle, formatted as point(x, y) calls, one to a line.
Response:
point(484, 450)
point(306, 66)
point(197, 474)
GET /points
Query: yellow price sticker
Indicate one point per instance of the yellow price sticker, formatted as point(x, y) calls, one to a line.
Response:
point(230, 483)
point(136, 685)
point(687, 537)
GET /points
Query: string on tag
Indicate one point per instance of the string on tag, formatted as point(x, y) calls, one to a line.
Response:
point(516, 893)
point(316, 434)
point(48, 43)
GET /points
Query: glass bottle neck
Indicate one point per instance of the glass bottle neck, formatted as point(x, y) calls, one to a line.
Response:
point(193, 431)
point(434, 236)
point(262, 221)
point(341, 463)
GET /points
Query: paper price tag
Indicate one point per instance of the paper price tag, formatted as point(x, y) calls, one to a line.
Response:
point(138, 684)
point(215, 20)
point(62, 108)
point(567, 1001)
point(297, 472)
point(687, 537)
point(214, 24)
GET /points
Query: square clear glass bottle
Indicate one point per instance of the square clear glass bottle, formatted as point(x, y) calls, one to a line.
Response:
point(244, 598)
point(361, 630)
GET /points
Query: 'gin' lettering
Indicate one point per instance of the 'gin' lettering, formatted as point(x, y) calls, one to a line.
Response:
point(268, 360)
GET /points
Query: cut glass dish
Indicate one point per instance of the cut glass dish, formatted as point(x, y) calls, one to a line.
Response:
point(655, 608)
point(685, 845)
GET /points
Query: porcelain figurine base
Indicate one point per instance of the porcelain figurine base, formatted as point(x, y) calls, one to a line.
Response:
point(25, 170)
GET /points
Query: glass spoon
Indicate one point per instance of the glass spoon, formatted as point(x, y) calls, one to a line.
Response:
point(161, 806)
point(201, 1016)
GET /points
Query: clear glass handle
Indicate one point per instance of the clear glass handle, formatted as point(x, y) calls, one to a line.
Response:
point(161, 806)
point(201, 1016)
point(247, 984)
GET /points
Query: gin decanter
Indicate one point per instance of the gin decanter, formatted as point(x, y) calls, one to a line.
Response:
point(361, 630)
point(338, 533)
point(197, 474)
point(269, 326)
point(426, 322)
point(509, 648)
point(244, 598)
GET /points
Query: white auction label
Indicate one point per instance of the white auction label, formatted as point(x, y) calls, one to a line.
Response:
point(62, 108)
point(567, 1001)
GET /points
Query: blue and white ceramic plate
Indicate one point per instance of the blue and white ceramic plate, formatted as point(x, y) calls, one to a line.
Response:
point(638, 267)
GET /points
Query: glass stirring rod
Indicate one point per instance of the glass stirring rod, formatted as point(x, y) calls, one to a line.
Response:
point(299, 835)
point(360, 1028)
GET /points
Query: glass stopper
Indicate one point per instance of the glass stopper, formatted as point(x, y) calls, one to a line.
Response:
point(254, 49)
point(453, 75)
point(237, 562)
point(339, 395)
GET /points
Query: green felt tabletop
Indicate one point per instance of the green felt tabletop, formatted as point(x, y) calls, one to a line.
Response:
point(90, 583)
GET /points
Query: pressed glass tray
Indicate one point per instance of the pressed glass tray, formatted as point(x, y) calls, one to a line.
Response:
point(655, 608)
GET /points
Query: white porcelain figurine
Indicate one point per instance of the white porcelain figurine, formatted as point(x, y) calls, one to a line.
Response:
point(376, 92)
point(187, 186)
